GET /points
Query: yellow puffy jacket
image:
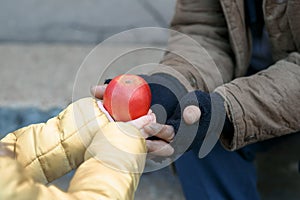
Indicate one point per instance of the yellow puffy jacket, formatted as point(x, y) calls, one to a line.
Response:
point(109, 157)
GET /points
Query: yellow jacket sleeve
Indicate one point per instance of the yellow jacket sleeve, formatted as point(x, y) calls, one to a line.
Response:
point(49, 150)
point(45, 152)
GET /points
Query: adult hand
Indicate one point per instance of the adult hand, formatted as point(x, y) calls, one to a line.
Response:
point(149, 127)
point(201, 110)
point(166, 92)
point(191, 114)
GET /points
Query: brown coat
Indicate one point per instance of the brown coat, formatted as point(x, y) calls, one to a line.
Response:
point(261, 106)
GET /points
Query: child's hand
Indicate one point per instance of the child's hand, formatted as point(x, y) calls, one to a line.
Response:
point(165, 134)
point(98, 91)
point(148, 127)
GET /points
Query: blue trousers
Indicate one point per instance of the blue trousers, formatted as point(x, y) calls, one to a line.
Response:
point(220, 175)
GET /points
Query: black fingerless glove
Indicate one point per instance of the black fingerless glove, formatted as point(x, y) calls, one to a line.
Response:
point(213, 119)
point(166, 92)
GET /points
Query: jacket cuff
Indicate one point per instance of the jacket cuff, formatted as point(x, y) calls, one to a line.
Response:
point(101, 107)
point(236, 139)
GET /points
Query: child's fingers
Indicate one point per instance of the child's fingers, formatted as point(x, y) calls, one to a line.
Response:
point(98, 91)
point(139, 123)
point(161, 131)
point(159, 148)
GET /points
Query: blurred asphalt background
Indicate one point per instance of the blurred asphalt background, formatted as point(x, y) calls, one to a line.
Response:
point(42, 45)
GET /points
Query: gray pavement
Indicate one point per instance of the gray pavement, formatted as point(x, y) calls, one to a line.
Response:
point(76, 21)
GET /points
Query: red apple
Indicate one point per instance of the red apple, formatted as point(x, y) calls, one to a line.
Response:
point(127, 97)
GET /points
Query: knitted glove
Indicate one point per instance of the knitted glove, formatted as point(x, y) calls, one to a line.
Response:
point(166, 93)
point(213, 120)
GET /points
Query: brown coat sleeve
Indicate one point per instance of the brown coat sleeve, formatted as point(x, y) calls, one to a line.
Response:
point(265, 105)
point(205, 61)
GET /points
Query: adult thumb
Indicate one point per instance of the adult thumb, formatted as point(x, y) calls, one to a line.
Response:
point(191, 114)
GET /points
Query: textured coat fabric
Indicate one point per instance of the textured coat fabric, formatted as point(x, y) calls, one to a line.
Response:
point(109, 157)
point(261, 106)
